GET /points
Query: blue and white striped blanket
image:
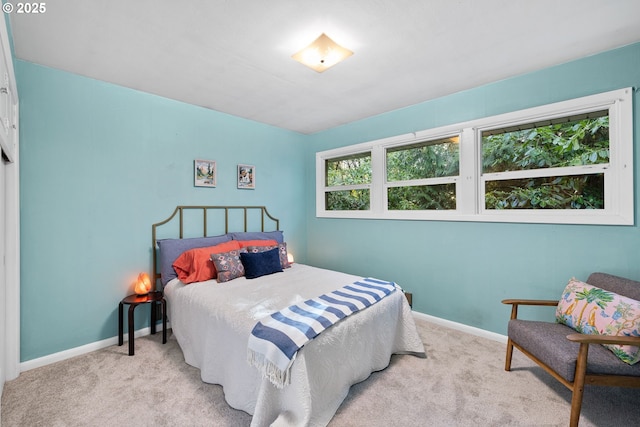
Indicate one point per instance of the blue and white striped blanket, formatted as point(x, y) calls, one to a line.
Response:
point(276, 339)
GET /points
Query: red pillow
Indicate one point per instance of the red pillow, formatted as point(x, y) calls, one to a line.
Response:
point(195, 265)
point(220, 248)
point(245, 243)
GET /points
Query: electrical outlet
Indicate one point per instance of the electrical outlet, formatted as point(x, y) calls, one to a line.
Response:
point(409, 296)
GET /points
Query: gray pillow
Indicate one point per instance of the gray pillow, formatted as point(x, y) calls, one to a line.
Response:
point(258, 235)
point(170, 249)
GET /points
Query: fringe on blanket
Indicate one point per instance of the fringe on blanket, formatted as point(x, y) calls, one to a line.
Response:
point(277, 377)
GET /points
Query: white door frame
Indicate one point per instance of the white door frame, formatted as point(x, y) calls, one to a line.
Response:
point(12, 270)
point(11, 202)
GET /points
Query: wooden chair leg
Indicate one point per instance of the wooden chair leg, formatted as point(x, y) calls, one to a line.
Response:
point(507, 362)
point(578, 385)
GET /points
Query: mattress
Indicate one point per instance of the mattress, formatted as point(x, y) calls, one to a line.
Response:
point(212, 323)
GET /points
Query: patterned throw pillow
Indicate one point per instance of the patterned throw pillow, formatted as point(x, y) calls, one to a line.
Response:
point(594, 311)
point(228, 264)
point(282, 251)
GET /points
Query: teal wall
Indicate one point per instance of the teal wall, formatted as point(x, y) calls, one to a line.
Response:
point(101, 163)
point(460, 271)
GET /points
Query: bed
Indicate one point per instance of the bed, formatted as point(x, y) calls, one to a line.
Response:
point(214, 321)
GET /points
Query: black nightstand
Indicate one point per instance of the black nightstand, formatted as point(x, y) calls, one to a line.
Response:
point(133, 301)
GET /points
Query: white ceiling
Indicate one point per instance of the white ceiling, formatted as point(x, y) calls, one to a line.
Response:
point(234, 56)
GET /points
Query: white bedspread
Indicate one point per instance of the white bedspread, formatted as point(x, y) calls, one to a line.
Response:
point(212, 322)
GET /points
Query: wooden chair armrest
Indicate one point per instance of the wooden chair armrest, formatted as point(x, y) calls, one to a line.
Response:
point(603, 339)
point(517, 302)
point(545, 302)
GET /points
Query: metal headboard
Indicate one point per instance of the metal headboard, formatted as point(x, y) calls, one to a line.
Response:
point(180, 210)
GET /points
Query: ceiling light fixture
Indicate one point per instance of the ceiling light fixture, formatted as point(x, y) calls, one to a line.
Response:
point(322, 54)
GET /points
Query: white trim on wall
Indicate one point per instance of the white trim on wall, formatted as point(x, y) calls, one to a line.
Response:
point(3, 277)
point(11, 218)
point(99, 345)
point(12, 270)
point(462, 327)
point(84, 349)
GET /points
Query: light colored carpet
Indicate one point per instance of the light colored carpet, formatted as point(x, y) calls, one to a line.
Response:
point(461, 383)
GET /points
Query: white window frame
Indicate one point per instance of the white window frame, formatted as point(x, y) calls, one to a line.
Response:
point(364, 186)
point(619, 186)
point(454, 179)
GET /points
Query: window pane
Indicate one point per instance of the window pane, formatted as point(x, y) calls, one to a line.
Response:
point(422, 197)
point(574, 142)
point(348, 200)
point(564, 192)
point(430, 159)
point(350, 170)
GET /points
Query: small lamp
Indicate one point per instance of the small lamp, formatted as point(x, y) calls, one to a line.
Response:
point(143, 284)
point(290, 257)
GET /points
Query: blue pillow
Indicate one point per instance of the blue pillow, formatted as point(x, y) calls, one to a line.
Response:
point(261, 263)
point(259, 235)
point(171, 249)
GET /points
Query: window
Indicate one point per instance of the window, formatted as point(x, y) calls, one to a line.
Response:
point(569, 162)
point(423, 176)
point(347, 181)
point(547, 166)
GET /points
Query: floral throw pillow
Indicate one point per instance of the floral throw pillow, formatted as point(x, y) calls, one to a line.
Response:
point(594, 311)
point(282, 252)
point(228, 265)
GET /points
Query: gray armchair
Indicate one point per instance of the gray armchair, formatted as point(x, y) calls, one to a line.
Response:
point(572, 358)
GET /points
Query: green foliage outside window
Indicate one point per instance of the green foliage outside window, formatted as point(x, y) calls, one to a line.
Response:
point(565, 192)
point(351, 170)
point(422, 197)
point(433, 159)
point(426, 160)
point(575, 143)
point(347, 200)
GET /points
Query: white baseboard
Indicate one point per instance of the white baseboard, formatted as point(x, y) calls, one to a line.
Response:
point(83, 349)
point(461, 327)
point(88, 348)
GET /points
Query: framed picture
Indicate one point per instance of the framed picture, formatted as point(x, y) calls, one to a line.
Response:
point(247, 176)
point(204, 173)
